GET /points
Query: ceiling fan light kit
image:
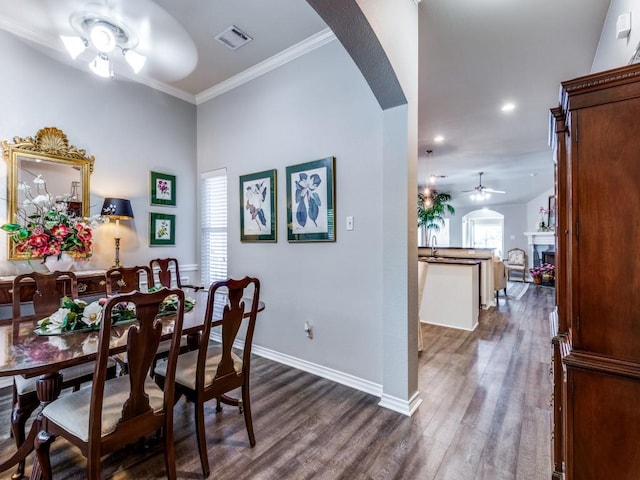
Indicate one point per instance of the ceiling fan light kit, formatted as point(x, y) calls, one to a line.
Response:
point(104, 35)
point(480, 192)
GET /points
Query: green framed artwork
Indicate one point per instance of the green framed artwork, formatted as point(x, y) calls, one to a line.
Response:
point(162, 229)
point(258, 207)
point(311, 201)
point(163, 189)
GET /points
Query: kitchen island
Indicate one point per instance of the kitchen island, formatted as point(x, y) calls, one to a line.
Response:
point(484, 255)
point(451, 296)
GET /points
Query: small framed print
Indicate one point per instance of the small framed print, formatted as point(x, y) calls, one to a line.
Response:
point(311, 201)
point(162, 229)
point(551, 212)
point(163, 189)
point(258, 207)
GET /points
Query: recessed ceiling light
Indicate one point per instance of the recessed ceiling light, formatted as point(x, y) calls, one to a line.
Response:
point(508, 107)
point(533, 174)
point(438, 139)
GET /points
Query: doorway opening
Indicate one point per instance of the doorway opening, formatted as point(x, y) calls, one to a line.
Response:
point(483, 228)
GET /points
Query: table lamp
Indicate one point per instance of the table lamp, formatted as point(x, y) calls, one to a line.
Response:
point(117, 209)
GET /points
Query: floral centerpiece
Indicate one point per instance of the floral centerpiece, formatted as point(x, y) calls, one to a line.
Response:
point(170, 304)
point(74, 315)
point(79, 315)
point(46, 227)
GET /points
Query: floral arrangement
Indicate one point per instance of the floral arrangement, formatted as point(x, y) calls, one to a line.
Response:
point(76, 315)
point(80, 315)
point(170, 304)
point(542, 269)
point(47, 227)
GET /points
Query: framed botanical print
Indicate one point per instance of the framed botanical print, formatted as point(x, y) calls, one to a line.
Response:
point(162, 229)
point(311, 201)
point(163, 189)
point(258, 207)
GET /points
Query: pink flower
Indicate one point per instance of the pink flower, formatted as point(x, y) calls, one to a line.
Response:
point(83, 233)
point(60, 231)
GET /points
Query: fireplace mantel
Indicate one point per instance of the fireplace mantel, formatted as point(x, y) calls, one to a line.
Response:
point(541, 238)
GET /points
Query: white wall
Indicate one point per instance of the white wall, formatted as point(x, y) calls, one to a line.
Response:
point(316, 106)
point(613, 52)
point(129, 128)
point(533, 210)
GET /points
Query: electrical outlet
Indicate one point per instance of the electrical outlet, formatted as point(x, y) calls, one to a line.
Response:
point(308, 329)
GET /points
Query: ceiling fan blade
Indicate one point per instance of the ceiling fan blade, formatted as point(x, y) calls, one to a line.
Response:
point(467, 191)
point(491, 190)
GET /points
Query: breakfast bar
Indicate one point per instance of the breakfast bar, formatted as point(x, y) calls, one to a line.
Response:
point(451, 295)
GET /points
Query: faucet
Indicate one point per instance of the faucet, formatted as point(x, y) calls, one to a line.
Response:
point(434, 245)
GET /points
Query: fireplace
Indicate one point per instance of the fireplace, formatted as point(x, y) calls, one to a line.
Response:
point(541, 248)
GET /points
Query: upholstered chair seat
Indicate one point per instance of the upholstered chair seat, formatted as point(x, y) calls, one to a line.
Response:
point(188, 362)
point(71, 412)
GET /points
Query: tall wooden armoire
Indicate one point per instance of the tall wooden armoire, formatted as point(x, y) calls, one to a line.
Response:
point(596, 326)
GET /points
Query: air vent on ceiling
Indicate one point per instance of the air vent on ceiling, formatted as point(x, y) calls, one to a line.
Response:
point(233, 37)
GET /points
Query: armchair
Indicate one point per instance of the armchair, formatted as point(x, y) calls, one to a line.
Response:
point(516, 261)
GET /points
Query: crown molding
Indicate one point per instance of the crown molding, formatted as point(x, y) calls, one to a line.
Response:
point(315, 41)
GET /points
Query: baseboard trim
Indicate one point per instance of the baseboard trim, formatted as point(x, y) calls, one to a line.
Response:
point(399, 405)
point(405, 407)
point(313, 368)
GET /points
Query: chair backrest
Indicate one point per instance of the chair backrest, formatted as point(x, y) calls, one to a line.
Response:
point(164, 270)
point(143, 338)
point(516, 256)
point(499, 274)
point(48, 290)
point(127, 279)
point(233, 314)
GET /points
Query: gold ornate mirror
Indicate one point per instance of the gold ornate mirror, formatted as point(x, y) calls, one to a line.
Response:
point(49, 157)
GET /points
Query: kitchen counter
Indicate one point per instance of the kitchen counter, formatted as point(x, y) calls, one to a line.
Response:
point(451, 296)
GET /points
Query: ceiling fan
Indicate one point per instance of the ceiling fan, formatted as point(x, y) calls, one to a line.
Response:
point(480, 192)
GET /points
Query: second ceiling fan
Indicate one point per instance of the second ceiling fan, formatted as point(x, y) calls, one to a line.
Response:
point(480, 192)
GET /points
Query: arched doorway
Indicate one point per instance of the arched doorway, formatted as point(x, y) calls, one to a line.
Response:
point(483, 228)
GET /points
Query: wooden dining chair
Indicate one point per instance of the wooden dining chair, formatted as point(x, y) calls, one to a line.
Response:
point(127, 279)
point(46, 291)
point(118, 412)
point(213, 370)
point(165, 267)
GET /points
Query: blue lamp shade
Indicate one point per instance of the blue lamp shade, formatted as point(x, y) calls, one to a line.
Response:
point(117, 209)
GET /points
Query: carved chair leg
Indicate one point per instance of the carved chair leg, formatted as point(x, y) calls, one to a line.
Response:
point(169, 454)
point(42, 444)
point(202, 441)
point(218, 405)
point(246, 405)
point(19, 417)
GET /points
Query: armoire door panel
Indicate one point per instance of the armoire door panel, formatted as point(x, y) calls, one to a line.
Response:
point(606, 198)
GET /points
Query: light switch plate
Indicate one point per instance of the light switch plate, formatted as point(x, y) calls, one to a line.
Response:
point(349, 223)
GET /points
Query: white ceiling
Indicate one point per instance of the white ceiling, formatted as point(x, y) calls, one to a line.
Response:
point(473, 57)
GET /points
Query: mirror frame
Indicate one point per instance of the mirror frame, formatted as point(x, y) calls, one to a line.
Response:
point(49, 144)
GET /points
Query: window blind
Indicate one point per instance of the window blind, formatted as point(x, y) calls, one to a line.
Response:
point(213, 233)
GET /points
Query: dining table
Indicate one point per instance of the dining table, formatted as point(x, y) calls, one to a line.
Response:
point(27, 352)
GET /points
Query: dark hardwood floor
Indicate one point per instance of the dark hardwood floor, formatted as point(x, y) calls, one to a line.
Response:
point(485, 415)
